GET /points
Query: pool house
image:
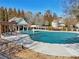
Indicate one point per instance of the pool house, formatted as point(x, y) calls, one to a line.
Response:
point(21, 23)
point(58, 24)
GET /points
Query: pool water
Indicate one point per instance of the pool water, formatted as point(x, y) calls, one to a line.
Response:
point(54, 37)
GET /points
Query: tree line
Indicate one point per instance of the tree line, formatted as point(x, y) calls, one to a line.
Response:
point(6, 14)
point(37, 18)
point(41, 19)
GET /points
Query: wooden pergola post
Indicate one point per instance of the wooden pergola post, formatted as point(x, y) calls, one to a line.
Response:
point(15, 28)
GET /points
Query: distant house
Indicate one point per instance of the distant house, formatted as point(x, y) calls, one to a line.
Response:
point(58, 23)
point(61, 23)
point(55, 24)
point(77, 25)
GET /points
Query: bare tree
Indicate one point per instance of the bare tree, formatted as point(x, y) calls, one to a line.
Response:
point(71, 7)
point(29, 17)
point(48, 17)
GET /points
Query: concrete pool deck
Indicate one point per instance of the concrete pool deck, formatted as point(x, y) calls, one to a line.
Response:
point(50, 49)
point(55, 49)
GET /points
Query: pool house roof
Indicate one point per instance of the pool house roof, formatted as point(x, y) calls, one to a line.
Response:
point(19, 21)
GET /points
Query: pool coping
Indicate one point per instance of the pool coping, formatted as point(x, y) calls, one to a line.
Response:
point(57, 31)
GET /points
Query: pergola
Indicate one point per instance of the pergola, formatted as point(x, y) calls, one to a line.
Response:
point(8, 24)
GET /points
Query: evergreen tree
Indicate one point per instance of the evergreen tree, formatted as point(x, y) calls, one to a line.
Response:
point(6, 15)
point(10, 13)
point(2, 14)
point(14, 12)
point(19, 13)
point(22, 14)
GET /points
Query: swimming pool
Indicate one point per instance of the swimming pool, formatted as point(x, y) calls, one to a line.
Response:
point(54, 37)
